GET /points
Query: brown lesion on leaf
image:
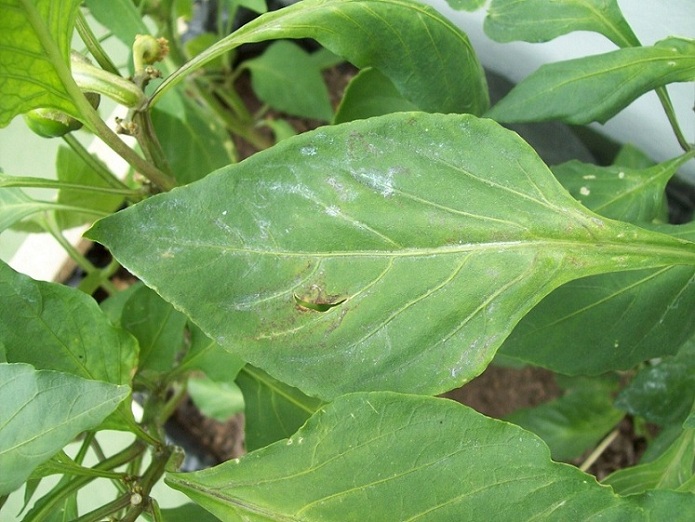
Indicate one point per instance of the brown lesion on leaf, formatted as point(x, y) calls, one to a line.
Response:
point(315, 298)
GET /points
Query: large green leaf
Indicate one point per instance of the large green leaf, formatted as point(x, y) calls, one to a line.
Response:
point(610, 321)
point(274, 410)
point(540, 20)
point(670, 471)
point(53, 327)
point(398, 251)
point(427, 57)
point(34, 55)
point(41, 411)
point(389, 457)
point(596, 88)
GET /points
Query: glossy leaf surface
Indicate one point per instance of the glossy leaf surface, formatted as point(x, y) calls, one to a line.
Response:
point(427, 57)
point(596, 88)
point(614, 322)
point(34, 40)
point(54, 327)
point(391, 457)
point(540, 20)
point(274, 410)
point(41, 411)
point(395, 226)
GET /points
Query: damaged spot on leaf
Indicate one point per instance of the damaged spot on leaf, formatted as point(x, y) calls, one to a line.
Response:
point(316, 300)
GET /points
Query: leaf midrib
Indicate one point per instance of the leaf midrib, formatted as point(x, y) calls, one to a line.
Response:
point(556, 245)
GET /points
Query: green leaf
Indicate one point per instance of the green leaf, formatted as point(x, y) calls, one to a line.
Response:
point(274, 410)
point(53, 327)
point(540, 20)
point(428, 59)
point(15, 205)
point(465, 5)
point(395, 225)
point(596, 88)
point(206, 355)
point(71, 168)
point(157, 327)
point(195, 144)
point(573, 423)
point(121, 17)
point(217, 400)
point(664, 392)
point(368, 94)
point(390, 457)
point(632, 157)
point(286, 78)
point(186, 513)
point(34, 55)
point(41, 411)
point(614, 321)
point(671, 470)
point(617, 192)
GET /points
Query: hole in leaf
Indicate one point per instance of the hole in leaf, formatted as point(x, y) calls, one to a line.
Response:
point(316, 306)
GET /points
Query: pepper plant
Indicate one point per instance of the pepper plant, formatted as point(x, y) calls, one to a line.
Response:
point(345, 277)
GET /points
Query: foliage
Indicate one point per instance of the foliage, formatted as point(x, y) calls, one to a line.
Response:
point(340, 279)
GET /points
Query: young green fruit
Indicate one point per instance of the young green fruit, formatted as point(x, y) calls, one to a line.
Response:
point(52, 123)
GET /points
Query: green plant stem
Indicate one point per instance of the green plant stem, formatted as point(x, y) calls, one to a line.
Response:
point(95, 165)
point(155, 511)
point(169, 407)
point(64, 491)
point(93, 45)
point(88, 114)
point(147, 138)
point(244, 131)
point(29, 182)
point(151, 476)
point(599, 450)
point(106, 510)
point(76, 255)
point(665, 100)
point(86, 443)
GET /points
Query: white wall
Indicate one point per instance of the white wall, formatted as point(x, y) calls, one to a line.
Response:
point(643, 123)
